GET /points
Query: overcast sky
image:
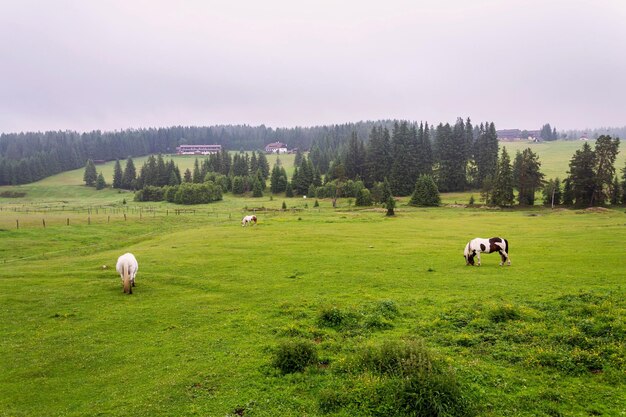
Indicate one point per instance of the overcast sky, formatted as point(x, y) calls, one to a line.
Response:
point(118, 64)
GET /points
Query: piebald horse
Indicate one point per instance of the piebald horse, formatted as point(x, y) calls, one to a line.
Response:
point(248, 220)
point(478, 245)
point(127, 267)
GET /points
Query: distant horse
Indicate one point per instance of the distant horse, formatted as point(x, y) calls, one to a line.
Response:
point(478, 245)
point(248, 220)
point(127, 267)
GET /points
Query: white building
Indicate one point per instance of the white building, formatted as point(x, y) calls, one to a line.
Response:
point(276, 147)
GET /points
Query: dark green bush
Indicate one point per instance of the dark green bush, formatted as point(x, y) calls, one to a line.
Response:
point(504, 313)
point(409, 381)
point(294, 356)
point(332, 317)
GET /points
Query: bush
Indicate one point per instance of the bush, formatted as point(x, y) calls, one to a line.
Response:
point(504, 313)
point(332, 317)
point(295, 356)
point(413, 383)
point(363, 197)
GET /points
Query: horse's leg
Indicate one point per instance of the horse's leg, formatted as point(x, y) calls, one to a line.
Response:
point(478, 257)
point(505, 257)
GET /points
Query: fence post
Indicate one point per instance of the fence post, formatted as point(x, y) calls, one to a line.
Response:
point(68, 221)
point(124, 216)
point(44, 223)
point(17, 222)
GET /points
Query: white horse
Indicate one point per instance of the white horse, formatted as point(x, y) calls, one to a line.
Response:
point(478, 245)
point(127, 267)
point(248, 220)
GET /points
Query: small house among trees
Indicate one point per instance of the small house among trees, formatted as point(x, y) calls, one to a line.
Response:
point(276, 147)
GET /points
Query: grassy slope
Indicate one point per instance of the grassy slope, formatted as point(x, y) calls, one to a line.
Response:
point(214, 299)
point(555, 156)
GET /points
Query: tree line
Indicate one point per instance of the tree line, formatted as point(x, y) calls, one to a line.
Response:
point(30, 156)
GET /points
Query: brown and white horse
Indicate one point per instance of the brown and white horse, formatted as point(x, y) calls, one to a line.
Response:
point(496, 244)
point(248, 220)
point(127, 267)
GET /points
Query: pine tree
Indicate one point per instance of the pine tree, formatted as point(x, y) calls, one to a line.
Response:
point(502, 194)
point(582, 176)
point(129, 177)
point(197, 175)
point(527, 176)
point(354, 159)
point(257, 189)
point(568, 192)
point(605, 152)
point(486, 153)
point(187, 176)
point(264, 165)
point(424, 151)
point(117, 174)
point(90, 177)
point(615, 192)
point(426, 192)
point(378, 155)
point(100, 182)
point(289, 190)
point(402, 163)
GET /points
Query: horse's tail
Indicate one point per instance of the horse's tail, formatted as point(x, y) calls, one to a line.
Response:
point(127, 288)
point(506, 245)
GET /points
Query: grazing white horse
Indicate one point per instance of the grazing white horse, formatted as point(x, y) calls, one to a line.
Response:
point(478, 245)
point(127, 267)
point(248, 220)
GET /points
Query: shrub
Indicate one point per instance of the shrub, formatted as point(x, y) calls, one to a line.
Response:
point(294, 356)
point(363, 197)
point(332, 317)
point(504, 313)
point(413, 382)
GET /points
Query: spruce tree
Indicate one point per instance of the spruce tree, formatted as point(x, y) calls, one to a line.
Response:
point(264, 165)
point(424, 151)
point(117, 174)
point(615, 192)
point(354, 159)
point(402, 164)
point(426, 193)
point(130, 175)
point(187, 176)
point(100, 182)
point(527, 176)
point(257, 189)
point(568, 192)
point(197, 175)
point(486, 152)
point(502, 194)
point(91, 176)
point(582, 176)
point(605, 153)
point(378, 155)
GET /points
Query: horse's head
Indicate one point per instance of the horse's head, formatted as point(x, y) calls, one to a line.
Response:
point(254, 219)
point(469, 254)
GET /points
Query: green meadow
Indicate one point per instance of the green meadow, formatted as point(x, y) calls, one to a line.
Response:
point(315, 311)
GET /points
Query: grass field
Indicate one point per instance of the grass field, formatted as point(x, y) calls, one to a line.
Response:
point(314, 311)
